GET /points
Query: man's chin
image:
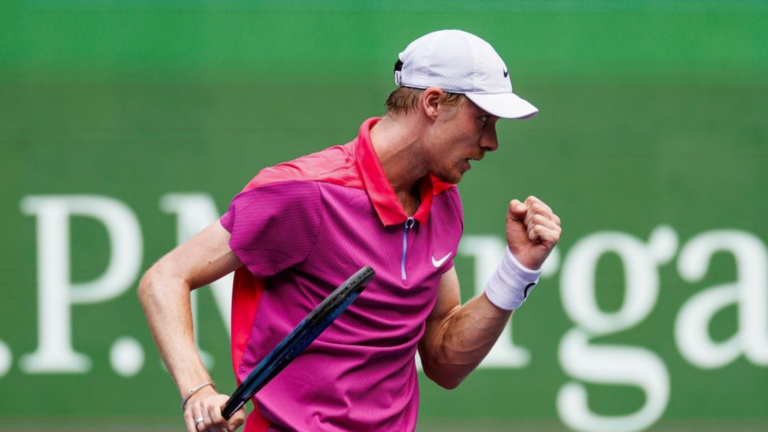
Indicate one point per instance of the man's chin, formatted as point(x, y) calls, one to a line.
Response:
point(454, 178)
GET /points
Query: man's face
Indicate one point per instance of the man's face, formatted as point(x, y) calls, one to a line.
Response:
point(459, 135)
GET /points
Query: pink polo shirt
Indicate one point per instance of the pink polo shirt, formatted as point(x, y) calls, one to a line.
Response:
point(303, 227)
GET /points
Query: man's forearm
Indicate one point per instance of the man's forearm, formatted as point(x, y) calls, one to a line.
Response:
point(167, 307)
point(164, 294)
point(458, 343)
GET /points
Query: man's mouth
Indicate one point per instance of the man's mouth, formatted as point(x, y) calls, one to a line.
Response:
point(470, 159)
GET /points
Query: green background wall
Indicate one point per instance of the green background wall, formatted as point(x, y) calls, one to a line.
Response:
point(653, 120)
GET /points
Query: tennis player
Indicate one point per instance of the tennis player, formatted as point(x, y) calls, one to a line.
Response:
point(387, 199)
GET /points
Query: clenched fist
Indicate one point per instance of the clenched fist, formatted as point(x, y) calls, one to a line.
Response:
point(533, 230)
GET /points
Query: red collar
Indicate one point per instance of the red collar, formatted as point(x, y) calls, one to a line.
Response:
point(378, 187)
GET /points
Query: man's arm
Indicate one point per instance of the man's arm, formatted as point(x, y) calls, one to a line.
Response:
point(164, 294)
point(457, 337)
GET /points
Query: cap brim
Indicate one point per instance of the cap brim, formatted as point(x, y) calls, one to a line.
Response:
point(504, 105)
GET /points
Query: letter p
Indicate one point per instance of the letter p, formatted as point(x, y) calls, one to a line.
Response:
point(56, 291)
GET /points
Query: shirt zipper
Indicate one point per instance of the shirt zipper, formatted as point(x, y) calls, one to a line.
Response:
point(408, 225)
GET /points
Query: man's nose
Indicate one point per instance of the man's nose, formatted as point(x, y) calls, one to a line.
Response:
point(489, 141)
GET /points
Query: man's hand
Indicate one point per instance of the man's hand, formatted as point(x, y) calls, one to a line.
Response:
point(533, 230)
point(207, 405)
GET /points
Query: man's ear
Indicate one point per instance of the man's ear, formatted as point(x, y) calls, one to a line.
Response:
point(429, 102)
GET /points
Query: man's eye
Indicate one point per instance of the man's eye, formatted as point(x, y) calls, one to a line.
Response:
point(484, 119)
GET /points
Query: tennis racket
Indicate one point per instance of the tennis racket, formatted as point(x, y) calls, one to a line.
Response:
point(300, 338)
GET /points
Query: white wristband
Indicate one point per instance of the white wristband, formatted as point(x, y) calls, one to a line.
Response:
point(511, 283)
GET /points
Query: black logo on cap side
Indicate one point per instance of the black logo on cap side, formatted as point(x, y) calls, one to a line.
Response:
point(506, 73)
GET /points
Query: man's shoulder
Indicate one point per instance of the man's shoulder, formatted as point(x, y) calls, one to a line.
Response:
point(335, 165)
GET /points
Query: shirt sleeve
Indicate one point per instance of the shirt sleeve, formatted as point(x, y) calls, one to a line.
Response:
point(274, 227)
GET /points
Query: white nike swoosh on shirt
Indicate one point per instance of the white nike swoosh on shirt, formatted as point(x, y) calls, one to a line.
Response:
point(438, 263)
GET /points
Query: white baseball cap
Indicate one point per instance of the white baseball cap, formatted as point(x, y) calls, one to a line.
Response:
point(460, 62)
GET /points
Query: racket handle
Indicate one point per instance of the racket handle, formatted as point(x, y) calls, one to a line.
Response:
point(230, 409)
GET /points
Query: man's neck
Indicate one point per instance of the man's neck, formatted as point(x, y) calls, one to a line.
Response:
point(397, 143)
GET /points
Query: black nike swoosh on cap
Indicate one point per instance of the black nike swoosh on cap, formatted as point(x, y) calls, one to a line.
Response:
point(506, 73)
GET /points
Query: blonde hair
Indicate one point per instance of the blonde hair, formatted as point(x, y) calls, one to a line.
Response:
point(406, 98)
